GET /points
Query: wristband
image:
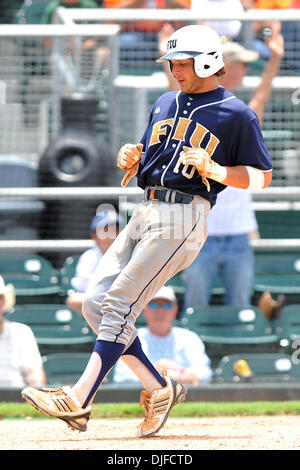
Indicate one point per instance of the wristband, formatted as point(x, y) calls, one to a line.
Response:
point(256, 178)
point(219, 173)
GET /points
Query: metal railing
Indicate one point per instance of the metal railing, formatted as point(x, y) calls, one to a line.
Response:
point(40, 62)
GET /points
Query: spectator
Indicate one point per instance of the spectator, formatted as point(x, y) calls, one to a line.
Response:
point(20, 359)
point(231, 28)
point(103, 229)
point(139, 39)
point(178, 351)
point(231, 223)
point(95, 55)
point(47, 17)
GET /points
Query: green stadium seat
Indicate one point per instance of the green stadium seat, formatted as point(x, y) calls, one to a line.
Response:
point(288, 327)
point(33, 276)
point(56, 327)
point(67, 271)
point(66, 368)
point(228, 330)
point(177, 282)
point(277, 272)
point(277, 263)
point(278, 223)
point(273, 367)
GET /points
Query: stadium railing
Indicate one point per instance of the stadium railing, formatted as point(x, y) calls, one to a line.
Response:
point(40, 62)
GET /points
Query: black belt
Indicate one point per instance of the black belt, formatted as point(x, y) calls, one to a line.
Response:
point(167, 195)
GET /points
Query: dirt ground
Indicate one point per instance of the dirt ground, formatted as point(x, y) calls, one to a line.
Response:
point(232, 433)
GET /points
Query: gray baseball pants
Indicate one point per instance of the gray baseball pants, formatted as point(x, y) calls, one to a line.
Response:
point(159, 240)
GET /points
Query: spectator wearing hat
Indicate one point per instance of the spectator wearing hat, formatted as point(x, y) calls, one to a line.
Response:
point(178, 351)
point(104, 229)
point(20, 359)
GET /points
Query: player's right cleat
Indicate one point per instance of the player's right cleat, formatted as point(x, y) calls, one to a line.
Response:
point(58, 403)
point(158, 405)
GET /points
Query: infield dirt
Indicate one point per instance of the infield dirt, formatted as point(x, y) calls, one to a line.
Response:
point(230, 433)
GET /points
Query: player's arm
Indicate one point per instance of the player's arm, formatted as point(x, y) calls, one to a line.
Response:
point(244, 177)
point(240, 176)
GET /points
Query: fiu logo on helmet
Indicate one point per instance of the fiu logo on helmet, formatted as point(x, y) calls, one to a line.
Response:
point(172, 44)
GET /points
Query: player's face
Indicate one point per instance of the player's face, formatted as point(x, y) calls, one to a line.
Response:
point(183, 71)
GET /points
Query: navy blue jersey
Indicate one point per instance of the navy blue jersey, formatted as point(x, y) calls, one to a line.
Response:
point(217, 121)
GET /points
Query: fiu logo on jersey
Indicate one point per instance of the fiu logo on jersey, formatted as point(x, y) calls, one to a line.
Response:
point(161, 128)
point(171, 44)
point(180, 133)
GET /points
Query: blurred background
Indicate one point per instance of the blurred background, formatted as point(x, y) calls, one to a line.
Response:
point(77, 81)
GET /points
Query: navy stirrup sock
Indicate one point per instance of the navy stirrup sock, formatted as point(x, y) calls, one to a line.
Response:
point(109, 353)
point(135, 349)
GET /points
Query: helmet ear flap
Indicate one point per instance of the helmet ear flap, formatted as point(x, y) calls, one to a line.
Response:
point(206, 65)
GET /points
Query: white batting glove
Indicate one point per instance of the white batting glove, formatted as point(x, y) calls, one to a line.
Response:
point(206, 167)
point(194, 156)
point(129, 155)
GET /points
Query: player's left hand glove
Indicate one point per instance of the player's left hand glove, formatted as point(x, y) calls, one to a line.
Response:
point(206, 167)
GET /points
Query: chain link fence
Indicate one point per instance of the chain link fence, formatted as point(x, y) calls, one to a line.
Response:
point(93, 77)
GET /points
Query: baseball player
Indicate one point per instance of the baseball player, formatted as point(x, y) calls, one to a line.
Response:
point(198, 140)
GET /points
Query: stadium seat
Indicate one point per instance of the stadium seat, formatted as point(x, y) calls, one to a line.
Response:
point(177, 282)
point(278, 273)
point(278, 223)
point(288, 327)
point(227, 330)
point(67, 271)
point(264, 367)
point(33, 277)
point(56, 327)
point(64, 368)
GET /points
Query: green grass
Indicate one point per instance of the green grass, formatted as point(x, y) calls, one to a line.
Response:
point(191, 410)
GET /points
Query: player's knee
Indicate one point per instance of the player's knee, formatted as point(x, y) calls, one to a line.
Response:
point(90, 308)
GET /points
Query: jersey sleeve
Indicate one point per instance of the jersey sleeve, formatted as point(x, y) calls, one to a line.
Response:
point(250, 148)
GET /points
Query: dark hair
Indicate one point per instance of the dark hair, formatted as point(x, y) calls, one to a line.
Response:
point(221, 72)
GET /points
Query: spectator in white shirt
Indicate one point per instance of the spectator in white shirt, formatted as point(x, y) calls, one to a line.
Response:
point(104, 228)
point(178, 351)
point(20, 359)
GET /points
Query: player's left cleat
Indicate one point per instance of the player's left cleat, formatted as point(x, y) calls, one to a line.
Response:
point(58, 403)
point(158, 405)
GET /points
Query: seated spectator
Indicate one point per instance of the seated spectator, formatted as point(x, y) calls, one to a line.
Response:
point(104, 229)
point(178, 351)
point(20, 359)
